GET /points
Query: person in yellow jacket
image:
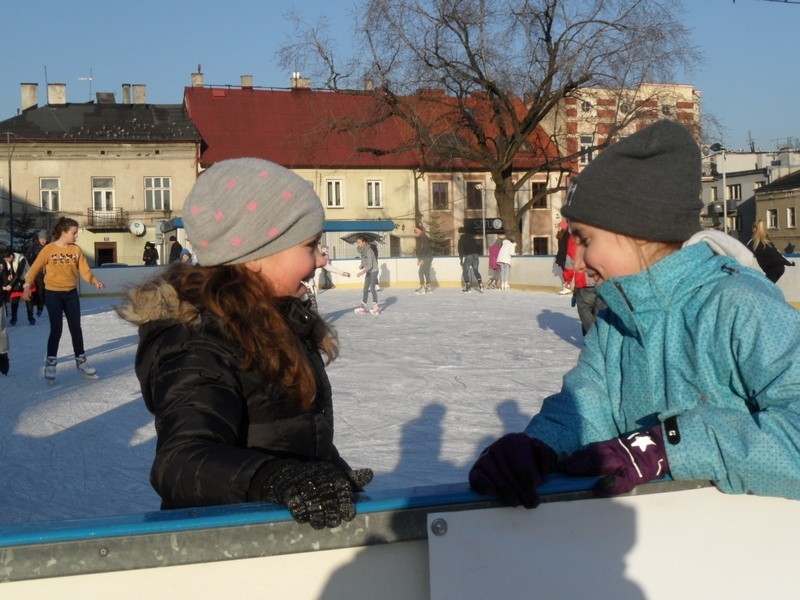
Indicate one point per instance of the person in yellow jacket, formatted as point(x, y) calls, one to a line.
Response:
point(62, 261)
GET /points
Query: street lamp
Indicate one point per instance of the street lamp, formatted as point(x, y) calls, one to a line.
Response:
point(483, 214)
point(719, 149)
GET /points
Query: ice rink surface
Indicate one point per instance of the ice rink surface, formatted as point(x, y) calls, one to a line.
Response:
point(418, 391)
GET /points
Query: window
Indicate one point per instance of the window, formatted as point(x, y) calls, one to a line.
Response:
point(587, 141)
point(50, 193)
point(666, 110)
point(625, 108)
point(103, 193)
point(772, 218)
point(733, 192)
point(474, 196)
point(714, 193)
point(791, 220)
point(541, 202)
point(374, 194)
point(157, 194)
point(334, 193)
point(540, 245)
point(439, 191)
point(758, 185)
point(586, 106)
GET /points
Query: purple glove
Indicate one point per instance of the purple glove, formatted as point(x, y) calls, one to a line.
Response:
point(622, 463)
point(512, 468)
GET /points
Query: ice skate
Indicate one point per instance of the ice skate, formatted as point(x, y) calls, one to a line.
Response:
point(361, 310)
point(564, 291)
point(420, 290)
point(85, 368)
point(375, 310)
point(50, 368)
point(480, 285)
point(428, 289)
point(467, 289)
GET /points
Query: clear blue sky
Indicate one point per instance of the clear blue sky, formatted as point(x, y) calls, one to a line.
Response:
point(749, 80)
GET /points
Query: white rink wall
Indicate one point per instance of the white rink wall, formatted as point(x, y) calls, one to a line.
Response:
point(527, 272)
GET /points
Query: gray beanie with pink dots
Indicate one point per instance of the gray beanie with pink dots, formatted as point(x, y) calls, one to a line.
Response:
point(244, 209)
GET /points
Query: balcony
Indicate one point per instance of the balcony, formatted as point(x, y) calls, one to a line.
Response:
point(116, 219)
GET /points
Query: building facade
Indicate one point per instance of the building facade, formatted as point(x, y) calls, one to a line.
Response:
point(118, 169)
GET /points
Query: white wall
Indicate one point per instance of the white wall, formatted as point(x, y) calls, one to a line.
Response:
point(527, 272)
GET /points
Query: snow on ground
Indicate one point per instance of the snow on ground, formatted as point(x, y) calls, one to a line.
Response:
point(418, 392)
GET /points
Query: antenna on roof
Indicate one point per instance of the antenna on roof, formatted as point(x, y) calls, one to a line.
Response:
point(89, 79)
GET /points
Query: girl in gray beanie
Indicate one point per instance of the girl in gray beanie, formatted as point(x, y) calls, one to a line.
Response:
point(685, 373)
point(230, 358)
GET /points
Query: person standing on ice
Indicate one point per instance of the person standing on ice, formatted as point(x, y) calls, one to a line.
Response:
point(4, 347)
point(230, 359)
point(369, 269)
point(62, 261)
point(686, 373)
point(468, 255)
point(424, 259)
point(507, 250)
point(494, 266)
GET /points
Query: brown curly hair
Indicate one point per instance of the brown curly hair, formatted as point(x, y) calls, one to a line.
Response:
point(251, 315)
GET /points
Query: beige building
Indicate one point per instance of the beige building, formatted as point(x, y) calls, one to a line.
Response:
point(119, 170)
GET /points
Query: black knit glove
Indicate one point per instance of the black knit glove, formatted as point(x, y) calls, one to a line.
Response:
point(317, 493)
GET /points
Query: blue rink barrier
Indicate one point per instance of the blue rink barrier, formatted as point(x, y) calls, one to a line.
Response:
point(232, 515)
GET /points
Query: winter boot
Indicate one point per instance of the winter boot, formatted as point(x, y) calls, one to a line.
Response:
point(361, 310)
point(85, 368)
point(4, 363)
point(375, 310)
point(50, 368)
point(31, 320)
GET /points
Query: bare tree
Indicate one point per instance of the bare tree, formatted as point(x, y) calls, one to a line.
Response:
point(476, 82)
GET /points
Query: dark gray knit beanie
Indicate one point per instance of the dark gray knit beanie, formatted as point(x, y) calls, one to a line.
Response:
point(244, 209)
point(646, 185)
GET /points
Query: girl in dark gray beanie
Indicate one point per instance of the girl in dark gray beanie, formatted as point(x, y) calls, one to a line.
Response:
point(230, 358)
point(685, 373)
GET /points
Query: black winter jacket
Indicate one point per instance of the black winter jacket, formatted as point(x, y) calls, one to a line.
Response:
point(217, 425)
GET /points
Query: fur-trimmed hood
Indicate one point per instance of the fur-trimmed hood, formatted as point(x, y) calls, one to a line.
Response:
point(157, 300)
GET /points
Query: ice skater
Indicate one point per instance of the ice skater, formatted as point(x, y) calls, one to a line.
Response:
point(369, 269)
point(62, 261)
point(230, 358)
point(686, 373)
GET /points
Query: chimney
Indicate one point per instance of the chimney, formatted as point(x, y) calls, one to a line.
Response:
point(56, 93)
point(247, 81)
point(126, 93)
point(29, 94)
point(139, 93)
point(300, 83)
point(197, 80)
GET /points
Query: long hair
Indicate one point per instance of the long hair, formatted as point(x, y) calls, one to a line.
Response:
point(62, 225)
point(760, 235)
point(251, 316)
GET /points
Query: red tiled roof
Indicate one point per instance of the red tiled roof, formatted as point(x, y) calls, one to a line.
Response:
point(309, 128)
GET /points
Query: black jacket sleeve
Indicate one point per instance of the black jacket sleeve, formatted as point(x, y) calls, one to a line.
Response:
point(200, 459)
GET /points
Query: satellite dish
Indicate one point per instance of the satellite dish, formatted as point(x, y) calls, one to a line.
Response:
point(138, 228)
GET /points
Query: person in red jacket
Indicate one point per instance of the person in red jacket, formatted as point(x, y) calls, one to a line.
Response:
point(583, 294)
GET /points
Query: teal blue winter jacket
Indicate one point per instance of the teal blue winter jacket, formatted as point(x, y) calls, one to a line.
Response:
point(698, 336)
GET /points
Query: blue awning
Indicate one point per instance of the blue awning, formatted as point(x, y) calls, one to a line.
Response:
point(358, 226)
point(171, 224)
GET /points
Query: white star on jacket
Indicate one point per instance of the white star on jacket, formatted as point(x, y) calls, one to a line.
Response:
point(642, 442)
